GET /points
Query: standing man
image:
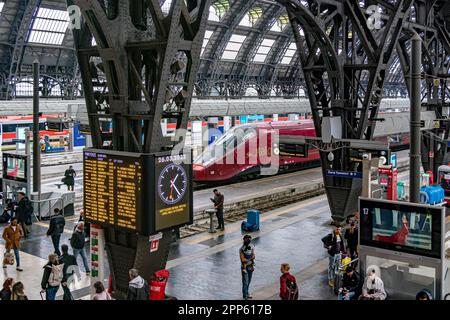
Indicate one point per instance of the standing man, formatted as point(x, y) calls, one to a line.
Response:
point(56, 229)
point(24, 212)
point(351, 235)
point(77, 242)
point(334, 243)
point(12, 235)
point(69, 178)
point(218, 205)
point(247, 256)
point(70, 269)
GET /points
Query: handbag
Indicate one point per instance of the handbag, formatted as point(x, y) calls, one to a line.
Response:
point(8, 258)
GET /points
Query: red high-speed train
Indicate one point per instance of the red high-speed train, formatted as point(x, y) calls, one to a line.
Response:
point(245, 150)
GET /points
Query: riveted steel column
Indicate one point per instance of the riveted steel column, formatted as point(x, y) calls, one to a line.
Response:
point(414, 156)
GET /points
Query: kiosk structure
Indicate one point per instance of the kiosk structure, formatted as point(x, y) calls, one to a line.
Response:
point(406, 245)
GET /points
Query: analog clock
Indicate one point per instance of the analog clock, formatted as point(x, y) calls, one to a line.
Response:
point(172, 184)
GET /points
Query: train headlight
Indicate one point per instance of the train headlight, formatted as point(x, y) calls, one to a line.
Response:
point(276, 151)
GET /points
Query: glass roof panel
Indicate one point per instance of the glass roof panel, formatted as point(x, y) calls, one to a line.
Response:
point(263, 50)
point(289, 54)
point(1, 6)
point(49, 26)
point(233, 46)
point(208, 34)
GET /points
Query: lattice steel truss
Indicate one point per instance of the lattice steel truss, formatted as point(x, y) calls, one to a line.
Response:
point(345, 63)
point(428, 21)
point(150, 59)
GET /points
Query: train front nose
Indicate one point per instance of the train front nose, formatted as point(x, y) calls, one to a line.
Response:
point(199, 172)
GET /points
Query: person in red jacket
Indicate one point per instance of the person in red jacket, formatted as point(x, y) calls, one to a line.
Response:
point(288, 284)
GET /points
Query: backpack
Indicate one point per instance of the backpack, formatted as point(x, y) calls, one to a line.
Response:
point(77, 240)
point(59, 224)
point(56, 275)
point(291, 290)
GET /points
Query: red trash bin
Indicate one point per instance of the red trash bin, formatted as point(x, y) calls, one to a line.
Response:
point(158, 285)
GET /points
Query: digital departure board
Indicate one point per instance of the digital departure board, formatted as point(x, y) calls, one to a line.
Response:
point(143, 193)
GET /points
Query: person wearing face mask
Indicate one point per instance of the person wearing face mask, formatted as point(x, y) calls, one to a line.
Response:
point(373, 287)
point(247, 256)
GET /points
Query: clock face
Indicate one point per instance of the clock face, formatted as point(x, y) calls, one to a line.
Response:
point(172, 184)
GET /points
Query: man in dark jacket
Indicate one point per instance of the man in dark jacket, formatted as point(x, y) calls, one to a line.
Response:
point(218, 205)
point(69, 178)
point(24, 212)
point(77, 242)
point(350, 285)
point(69, 270)
point(335, 245)
point(56, 229)
point(137, 287)
point(351, 235)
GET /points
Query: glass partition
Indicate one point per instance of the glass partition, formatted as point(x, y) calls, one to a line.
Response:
point(402, 281)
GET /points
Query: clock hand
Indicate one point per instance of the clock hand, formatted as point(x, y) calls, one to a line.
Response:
point(175, 178)
point(179, 193)
point(171, 190)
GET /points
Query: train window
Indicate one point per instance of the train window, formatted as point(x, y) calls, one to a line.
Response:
point(9, 127)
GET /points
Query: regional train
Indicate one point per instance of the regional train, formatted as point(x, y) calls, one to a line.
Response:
point(9, 125)
point(245, 150)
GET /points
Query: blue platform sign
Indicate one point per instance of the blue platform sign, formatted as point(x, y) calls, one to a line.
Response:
point(394, 160)
point(344, 174)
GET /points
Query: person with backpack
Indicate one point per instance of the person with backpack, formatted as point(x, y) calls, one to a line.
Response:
point(69, 270)
point(56, 229)
point(24, 213)
point(138, 288)
point(288, 284)
point(52, 277)
point(12, 235)
point(335, 245)
point(77, 242)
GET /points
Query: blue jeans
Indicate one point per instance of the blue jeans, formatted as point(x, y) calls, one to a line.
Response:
point(349, 296)
point(16, 253)
point(50, 293)
point(246, 279)
point(76, 252)
point(333, 264)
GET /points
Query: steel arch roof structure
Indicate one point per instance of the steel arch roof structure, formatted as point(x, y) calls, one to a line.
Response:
point(249, 50)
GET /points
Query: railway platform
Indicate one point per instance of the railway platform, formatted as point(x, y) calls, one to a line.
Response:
point(206, 266)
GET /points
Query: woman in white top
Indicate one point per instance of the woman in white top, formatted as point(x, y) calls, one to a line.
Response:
point(100, 292)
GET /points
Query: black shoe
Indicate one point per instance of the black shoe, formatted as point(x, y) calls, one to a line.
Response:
point(218, 227)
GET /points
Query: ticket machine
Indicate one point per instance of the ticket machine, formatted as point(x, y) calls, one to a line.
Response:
point(407, 246)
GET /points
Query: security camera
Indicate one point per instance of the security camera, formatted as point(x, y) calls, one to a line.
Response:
point(365, 156)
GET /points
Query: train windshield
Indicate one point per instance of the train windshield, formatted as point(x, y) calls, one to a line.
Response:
point(228, 141)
